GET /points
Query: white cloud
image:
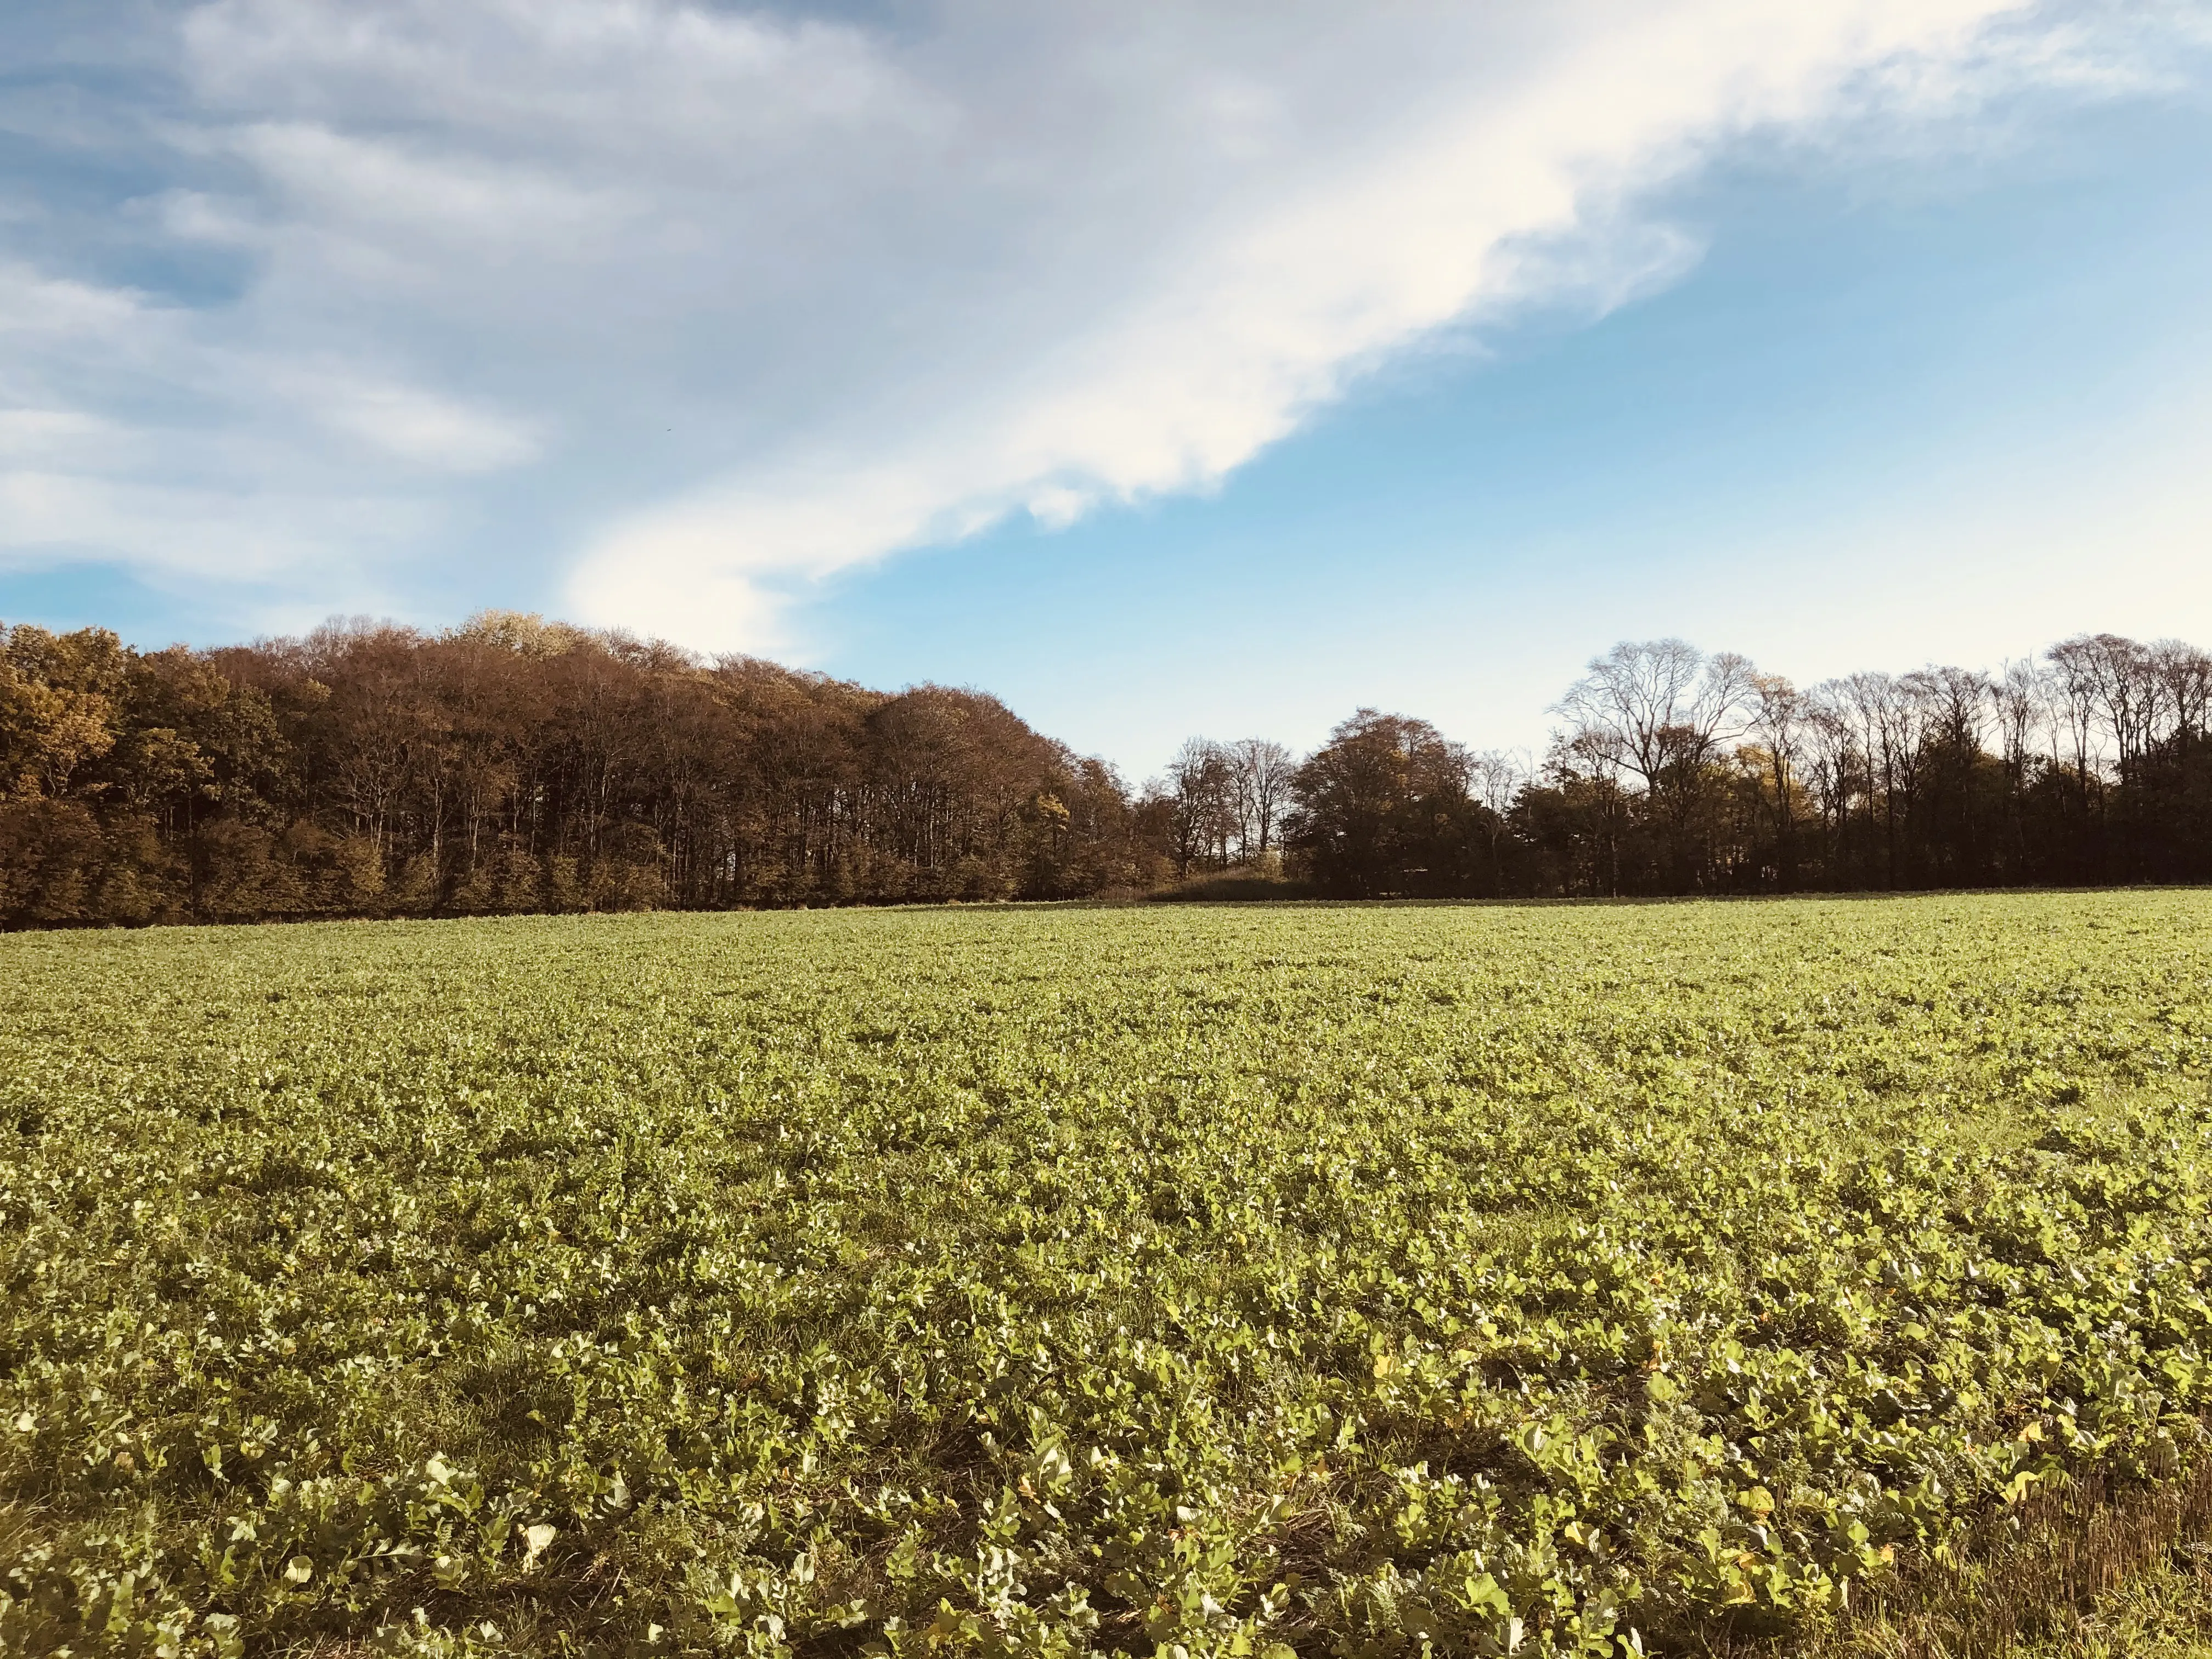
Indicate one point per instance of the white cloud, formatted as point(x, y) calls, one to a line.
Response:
point(57, 311)
point(37, 434)
point(194, 534)
point(1457, 190)
point(418, 426)
point(764, 298)
point(131, 430)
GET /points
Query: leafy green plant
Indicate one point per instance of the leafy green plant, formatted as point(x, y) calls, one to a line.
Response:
point(1188, 1281)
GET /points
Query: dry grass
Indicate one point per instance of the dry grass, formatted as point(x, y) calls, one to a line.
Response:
point(2086, 1569)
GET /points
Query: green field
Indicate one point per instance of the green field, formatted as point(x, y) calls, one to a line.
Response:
point(1331, 1280)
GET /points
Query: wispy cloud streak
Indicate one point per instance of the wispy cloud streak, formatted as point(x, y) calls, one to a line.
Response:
point(758, 299)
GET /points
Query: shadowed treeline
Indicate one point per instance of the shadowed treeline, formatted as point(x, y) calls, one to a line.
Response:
point(518, 765)
point(1676, 773)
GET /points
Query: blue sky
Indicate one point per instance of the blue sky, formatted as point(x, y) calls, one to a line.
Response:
point(1174, 371)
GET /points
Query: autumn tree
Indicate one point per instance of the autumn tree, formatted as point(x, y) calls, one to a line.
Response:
point(1383, 809)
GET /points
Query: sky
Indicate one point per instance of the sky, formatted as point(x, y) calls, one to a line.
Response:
point(1166, 369)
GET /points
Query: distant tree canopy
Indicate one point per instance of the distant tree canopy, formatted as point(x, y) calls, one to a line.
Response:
point(1386, 806)
point(1679, 773)
point(514, 764)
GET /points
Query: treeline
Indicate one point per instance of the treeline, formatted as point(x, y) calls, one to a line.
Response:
point(516, 765)
point(1678, 773)
point(513, 764)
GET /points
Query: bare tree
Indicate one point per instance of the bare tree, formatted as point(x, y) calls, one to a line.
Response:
point(1888, 715)
point(2020, 698)
point(2185, 677)
point(1835, 764)
point(1664, 711)
point(1777, 719)
point(1260, 771)
point(2077, 684)
point(1955, 701)
point(1494, 778)
point(1659, 706)
point(1202, 783)
point(2117, 683)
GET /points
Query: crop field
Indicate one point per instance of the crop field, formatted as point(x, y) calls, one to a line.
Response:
point(1178, 1280)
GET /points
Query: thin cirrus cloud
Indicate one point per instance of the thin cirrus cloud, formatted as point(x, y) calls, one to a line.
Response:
point(415, 425)
point(755, 297)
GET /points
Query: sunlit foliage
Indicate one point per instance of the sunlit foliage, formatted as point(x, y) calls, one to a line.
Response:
point(1198, 1281)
